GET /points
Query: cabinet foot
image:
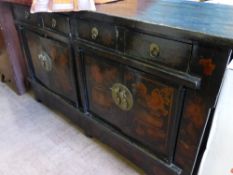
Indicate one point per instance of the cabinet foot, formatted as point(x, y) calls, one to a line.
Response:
point(2, 78)
point(38, 100)
point(87, 134)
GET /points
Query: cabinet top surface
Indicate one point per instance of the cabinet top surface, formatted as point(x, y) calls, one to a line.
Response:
point(202, 20)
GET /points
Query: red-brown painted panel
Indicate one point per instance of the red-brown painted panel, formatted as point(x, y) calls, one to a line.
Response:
point(150, 119)
point(197, 106)
point(151, 115)
point(55, 72)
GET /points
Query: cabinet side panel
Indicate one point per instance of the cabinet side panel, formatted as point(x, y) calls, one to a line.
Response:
point(209, 63)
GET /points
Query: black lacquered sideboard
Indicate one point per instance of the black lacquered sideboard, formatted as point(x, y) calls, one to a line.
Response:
point(142, 82)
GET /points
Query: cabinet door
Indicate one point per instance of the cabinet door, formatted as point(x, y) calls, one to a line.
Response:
point(100, 77)
point(52, 65)
point(139, 105)
point(153, 117)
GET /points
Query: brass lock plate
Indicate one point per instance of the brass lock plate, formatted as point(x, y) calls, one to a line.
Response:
point(26, 14)
point(122, 96)
point(94, 33)
point(46, 61)
point(53, 23)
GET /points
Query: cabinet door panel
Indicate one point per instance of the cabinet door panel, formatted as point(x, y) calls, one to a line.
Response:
point(152, 117)
point(52, 65)
point(100, 77)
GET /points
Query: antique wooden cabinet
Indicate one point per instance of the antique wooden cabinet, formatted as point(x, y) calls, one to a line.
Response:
point(145, 89)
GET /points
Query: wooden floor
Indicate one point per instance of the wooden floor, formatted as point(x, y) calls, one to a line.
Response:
point(37, 141)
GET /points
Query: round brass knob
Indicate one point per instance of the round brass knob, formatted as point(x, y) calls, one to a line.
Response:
point(94, 33)
point(154, 50)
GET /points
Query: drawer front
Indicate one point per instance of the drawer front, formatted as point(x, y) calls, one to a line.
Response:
point(100, 33)
point(57, 22)
point(158, 50)
point(140, 105)
point(22, 14)
point(52, 65)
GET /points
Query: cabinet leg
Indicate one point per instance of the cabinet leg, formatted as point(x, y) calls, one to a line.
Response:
point(88, 134)
point(2, 78)
point(38, 99)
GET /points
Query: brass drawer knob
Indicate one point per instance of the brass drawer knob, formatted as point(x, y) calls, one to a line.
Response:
point(54, 23)
point(122, 96)
point(154, 50)
point(46, 61)
point(94, 33)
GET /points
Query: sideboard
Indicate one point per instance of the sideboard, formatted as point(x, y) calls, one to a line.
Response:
point(141, 76)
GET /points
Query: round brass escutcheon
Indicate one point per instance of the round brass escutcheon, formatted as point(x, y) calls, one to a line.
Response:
point(122, 96)
point(46, 61)
point(94, 33)
point(154, 50)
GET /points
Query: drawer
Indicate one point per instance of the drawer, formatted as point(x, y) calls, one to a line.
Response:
point(157, 50)
point(22, 14)
point(56, 22)
point(51, 63)
point(140, 105)
point(100, 33)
